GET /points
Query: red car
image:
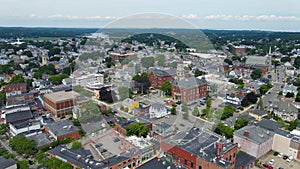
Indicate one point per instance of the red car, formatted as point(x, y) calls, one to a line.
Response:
point(267, 166)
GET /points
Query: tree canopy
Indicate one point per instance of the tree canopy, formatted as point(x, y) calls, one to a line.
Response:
point(256, 74)
point(227, 112)
point(57, 79)
point(139, 129)
point(166, 87)
point(17, 79)
point(240, 123)
point(196, 111)
point(22, 145)
point(76, 144)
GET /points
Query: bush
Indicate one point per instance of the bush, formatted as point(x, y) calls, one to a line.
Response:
point(76, 145)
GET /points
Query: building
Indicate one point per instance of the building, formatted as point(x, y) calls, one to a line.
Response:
point(189, 89)
point(163, 130)
point(158, 163)
point(15, 87)
point(28, 127)
point(8, 163)
point(254, 140)
point(257, 62)
point(89, 79)
point(62, 129)
point(18, 116)
point(122, 56)
point(144, 146)
point(60, 103)
point(258, 114)
point(130, 104)
point(158, 110)
point(121, 125)
point(199, 149)
point(234, 99)
point(158, 77)
point(244, 161)
point(285, 110)
point(239, 50)
point(289, 88)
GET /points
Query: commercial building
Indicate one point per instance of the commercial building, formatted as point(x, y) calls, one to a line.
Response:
point(60, 103)
point(189, 89)
point(62, 129)
point(199, 149)
point(158, 77)
point(24, 127)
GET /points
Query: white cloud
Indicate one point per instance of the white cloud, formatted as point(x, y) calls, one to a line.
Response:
point(248, 17)
point(190, 16)
point(73, 17)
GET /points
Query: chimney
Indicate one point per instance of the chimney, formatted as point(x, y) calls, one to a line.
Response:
point(246, 133)
point(219, 148)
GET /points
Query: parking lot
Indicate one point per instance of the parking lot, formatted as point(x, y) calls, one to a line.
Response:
point(279, 162)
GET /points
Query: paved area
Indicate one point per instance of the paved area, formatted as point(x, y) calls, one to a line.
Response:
point(279, 162)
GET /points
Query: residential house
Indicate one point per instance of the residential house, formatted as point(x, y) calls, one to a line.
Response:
point(234, 99)
point(158, 110)
point(285, 110)
point(254, 140)
point(258, 114)
point(8, 163)
point(130, 104)
point(289, 88)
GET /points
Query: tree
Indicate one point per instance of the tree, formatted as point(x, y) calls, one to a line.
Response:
point(227, 112)
point(57, 79)
point(160, 59)
point(293, 125)
point(2, 98)
point(166, 87)
point(139, 129)
point(196, 111)
point(27, 53)
point(265, 88)
point(54, 163)
point(208, 103)
point(76, 145)
point(206, 111)
point(17, 79)
point(174, 64)
point(228, 61)
point(23, 164)
point(256, 74)
point(185, 115)
point(3, 129)
point(124, 92)
point(224, 130)
point(289, 95)
point(285, 59)
point(173, 111)
point(38, 75)
point(297, 62)
point(236, 81)
point(198, 73)
point(240, 123)
point(147, 62)
point(22, 145)
point(184, 107)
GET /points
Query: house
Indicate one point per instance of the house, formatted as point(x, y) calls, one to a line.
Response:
point(130, 104)
point(158, 77)
point(60, 103)
point(62, 129)
point(199, 149)
point(234, 99)
point(258, 114)
point(285, 110)
point(8, 163)
point(244, 160)
point(163, 130)
point(289, 88)
point(158, 110)
point(254, 140)
point(189, 89)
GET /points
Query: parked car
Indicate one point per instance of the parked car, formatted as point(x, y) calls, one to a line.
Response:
point(275, 153)
point(290, 159)
point(280, 155)
point(267, 166)
point(271, 162)
point(285, 157)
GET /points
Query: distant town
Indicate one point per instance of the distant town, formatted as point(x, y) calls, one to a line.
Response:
point(72, 98)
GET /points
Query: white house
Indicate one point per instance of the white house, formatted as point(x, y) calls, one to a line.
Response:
point(158, 110)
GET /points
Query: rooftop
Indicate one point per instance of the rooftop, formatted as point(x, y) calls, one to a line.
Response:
point(62, 127)
point(158, 163)
point(6, 163)
point(190, 82)
point(257, 134)
point(61, 96)
point(269, 124)
point(18, 116)
point(242, 159)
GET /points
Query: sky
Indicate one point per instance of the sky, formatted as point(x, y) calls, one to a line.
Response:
point(276, 15)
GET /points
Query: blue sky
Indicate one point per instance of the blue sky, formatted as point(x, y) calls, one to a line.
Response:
point(206, 14)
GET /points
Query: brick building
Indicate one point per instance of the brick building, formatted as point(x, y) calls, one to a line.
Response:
point(63, 129)
point(16, 87)
point(158, 77)
point(200, 149)
point(189, 89)
point(239, 50)
point(60, 103)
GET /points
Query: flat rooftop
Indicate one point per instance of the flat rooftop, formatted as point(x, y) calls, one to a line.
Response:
point(61, 96)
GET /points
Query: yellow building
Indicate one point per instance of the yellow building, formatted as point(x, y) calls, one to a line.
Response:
point(130, 104)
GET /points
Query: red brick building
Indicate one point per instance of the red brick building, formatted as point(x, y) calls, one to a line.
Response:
point(200, 149)
point(60, 103)
point(189, 89)
point(16, 87)
point(63, 129)
point(158, 77)
point(239, 50)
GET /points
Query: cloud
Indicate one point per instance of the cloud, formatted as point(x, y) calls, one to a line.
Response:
point(190, 16)
point(73, 17)
point(248, 18)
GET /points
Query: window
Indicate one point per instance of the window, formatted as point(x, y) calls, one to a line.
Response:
point(230, 158)
point(233, 155)
point(192, 165)
point(200, 167)
point(185, 162)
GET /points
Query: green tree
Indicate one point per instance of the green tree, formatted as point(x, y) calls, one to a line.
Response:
point(228, 61)
point(293, 125)
point(256, 74)
point(166, 87)
point(38, 75)
point(124, 92)
point(184, 107)
point(147, 62)
point(297, 62)
point(196, 111)
point(240, 123)
point(224, 130)
point(22, 145)
point(208, 103)
point(27, 53)
point(17, 79)
point(3, 129)
point(173, 111)
point(227, 112)
point(285, 59)
point(139, 129)
point(206, 111)
point(160, 59)
point(185, 115)
point(265, 88)
point(174, 64)
point(76, 145)
point(2, 98)
point(23, 164)
point(198, 73)
point(57, 79)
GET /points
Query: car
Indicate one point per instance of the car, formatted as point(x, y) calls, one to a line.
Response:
point(280, 168)
point(271, 162)
point(275, 153)
point(98, 144)
point(174, 105)
point(290, 159)
point(103, 150)
point(178, 102)
point(285, 157)
point(267, 166)
point(280, 155)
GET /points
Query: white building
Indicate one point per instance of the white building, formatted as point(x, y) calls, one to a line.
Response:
point(85, 80)
point(158, 110)
point(22, 127)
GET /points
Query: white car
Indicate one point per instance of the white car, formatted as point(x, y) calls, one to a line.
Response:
point(290, 159)
point(280, 155)
point(271, 162)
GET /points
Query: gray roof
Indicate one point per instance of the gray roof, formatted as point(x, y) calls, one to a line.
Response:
point(18, 116)
point(284, 106)
point(5, 163)
point(243, 159)
point(269, 124)
point(190, 82)
point(257, 134)
point(159, 72)
point(62, 127)
point(256, 60)
point(259, 112)
point(158, 106)
point(158, 164)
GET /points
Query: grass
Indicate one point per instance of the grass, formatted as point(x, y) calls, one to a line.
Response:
point(82, 91)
